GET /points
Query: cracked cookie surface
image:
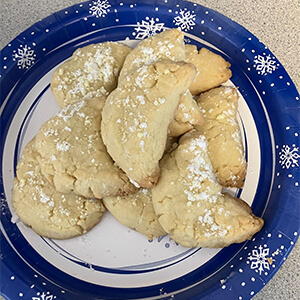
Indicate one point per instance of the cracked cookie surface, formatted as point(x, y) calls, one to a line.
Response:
point(50, 213)
point(136, 117)
point(222, 131)
point(73, 156)
point(136, 212)
point(187, 116)
point(213, 69)
point(167, 45)
point(189, 203)
point(92, 71)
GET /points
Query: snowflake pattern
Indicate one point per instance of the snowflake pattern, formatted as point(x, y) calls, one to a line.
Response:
point(100, 8)
point(147, 28)
point(25, 57)
point(289, 156)
point(259, 259)
point(167, 243)
point(185, 20)
point(187, 41)
point(265, 64)
point(44, 296)
point(3, 206)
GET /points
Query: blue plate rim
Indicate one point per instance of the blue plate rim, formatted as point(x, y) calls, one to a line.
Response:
point(288, 90)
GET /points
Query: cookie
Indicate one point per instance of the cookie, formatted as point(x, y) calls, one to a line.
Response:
point(136, 212)
point(221, 129)
point(189, 203)
point(137, 114)
point(72, 154)
point(50, 213)
point(187, 115)
point(92, 71)
point(213, 69)
point(167, 45)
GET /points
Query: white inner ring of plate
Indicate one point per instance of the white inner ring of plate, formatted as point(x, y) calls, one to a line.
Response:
point(110, 244)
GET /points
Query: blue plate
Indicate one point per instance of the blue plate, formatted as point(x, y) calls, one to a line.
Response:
point(111, 261)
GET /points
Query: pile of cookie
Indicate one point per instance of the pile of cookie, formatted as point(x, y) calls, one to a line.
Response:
point(151, 135)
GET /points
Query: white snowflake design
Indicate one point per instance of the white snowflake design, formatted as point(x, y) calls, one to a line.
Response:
point(147, 28)
point(100, 8)
point(25, 57)
point(186, 40)
point(3, 206)
point(185, 20)
point(265, 64)
point(289, 157)
point(259, 259)
point(44, 296)
point(168, 242)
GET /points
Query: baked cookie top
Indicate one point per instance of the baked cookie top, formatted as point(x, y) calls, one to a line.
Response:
point(50, 213)
point(187, 115)
point(189, 202)
point(92, 71)
point(167, 45)
point(136, 116)
point(73, 156)
point(221, 129)
point(136, 212)
point(213, 69)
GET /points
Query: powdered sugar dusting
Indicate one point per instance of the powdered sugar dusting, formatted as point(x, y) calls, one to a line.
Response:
point(200, 170)
point(91, 74)
point(141, 99)
point(100, 65)
point(63, 146)
point(148, 54)
point(44, 198)
point(201, 186)
point(71, 110)
point(208, 220)
point(143, 74)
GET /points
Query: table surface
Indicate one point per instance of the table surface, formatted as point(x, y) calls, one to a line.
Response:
point(274, 22)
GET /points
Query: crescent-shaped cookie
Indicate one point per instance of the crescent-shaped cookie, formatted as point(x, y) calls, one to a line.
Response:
point(137, 114)
point(189, 203)
point(222, 131)
point(167, 45)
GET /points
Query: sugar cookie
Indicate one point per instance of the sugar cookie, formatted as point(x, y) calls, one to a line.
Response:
point(221, 129)
point(167, 45)
point(136, 212)
point(73, 156)
point(189, 203)
point(213, 69)
point(92, 71)
point(136, 116)
point(50, 213)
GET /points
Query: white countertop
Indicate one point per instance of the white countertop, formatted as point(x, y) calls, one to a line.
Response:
point(274, 22)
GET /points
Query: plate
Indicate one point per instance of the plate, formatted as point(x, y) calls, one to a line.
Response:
point(111, 261)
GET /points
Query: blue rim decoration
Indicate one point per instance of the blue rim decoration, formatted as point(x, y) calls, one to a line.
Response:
point(236, 272)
